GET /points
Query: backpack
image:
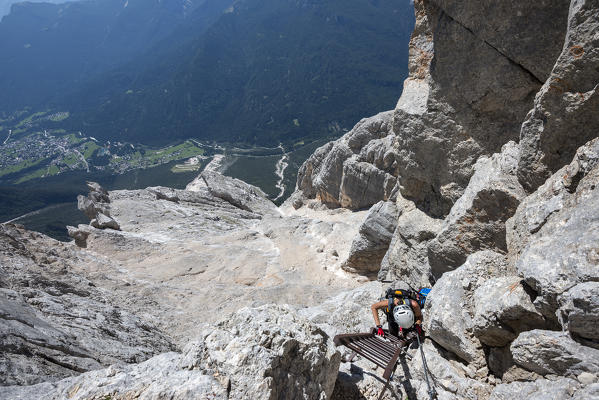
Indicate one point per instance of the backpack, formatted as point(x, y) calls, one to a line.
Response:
point(419, 297)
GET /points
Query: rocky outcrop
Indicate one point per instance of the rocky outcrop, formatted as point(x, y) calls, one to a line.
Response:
point(97, 208)
point(549, 199)
point(450, 306)
point(268, 353)
point(564, 116)
point(545, 389)
point(263, 353)
point(346, 311)
point(160, 377)
point(454, 108)
point(563, 252)
point(355, 171)
point(502, 309)
point(407, 256)
point(234, 191)
point(477, 220)
point(54, 322)
point(371, 244)
point(579, 310)
point(549, 352)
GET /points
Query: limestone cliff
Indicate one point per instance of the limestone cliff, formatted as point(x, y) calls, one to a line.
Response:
point(494, 147)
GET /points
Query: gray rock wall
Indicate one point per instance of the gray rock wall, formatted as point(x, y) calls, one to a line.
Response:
point(477, 219)
point(261, 353)
point(564, 116)
point(54, 322)
point(454, 108)
point(407, 256)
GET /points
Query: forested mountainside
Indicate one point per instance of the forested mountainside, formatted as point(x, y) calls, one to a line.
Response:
point(245, 71)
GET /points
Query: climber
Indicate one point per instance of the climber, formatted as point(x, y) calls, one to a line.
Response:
point(403, 315)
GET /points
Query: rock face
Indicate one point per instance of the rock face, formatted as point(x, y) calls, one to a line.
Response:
point(407, 256)
point(579, 310)
point(544, 389)
point(369, 247)
point(549, 199)
point(477, 220)
point(453, 108)
point(450, 306)
point(563, 252)
point(503, 308)
point(270, 353)
point(507, 234)
point(263, 353)
point(54, 322)
point(356, 171)
point(564, 116)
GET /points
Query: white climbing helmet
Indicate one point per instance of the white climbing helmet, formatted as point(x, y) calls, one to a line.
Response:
point(404, 316)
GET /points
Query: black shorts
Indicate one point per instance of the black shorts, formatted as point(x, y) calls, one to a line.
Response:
point(393, 328)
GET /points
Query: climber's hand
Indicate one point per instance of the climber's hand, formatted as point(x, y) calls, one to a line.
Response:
point(380, 331)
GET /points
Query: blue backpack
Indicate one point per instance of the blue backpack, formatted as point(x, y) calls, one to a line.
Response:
point(422, 296)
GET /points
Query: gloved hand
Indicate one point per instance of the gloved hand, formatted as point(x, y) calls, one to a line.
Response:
point(419, 330)
point(380, 331)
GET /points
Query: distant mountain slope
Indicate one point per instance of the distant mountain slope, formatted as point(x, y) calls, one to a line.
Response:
point(5, 4)
point(49, 48)
point(265, 71)
point(243, 71)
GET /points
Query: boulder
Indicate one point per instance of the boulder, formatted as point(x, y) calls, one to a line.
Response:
point(371, 244)
point(551, 352)
point(103, 221)
point(234, 191)
point(97, 193)
point(477, 220)
point(453, 380)
point(164, 193)
point(455, 109)
point(502, 309)
point(540, 389)
point(579, 310)
point(563, 253)
point(267, 352)
point(564, 116)
point(501, 364)
point(80, 235)
point(407, 257)
point(449, 310)
point(347, 311)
